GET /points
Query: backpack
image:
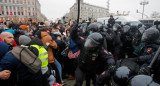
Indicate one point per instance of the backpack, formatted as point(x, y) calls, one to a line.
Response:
point(28, 58)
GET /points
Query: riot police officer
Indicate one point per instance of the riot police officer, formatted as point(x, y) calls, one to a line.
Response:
point(147, 52)
point(119, 74)
point(117, 43)
point(93, 27)
point(92, 55)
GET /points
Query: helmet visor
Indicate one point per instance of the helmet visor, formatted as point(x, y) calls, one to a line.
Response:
point(144, 37)
point(89, 44)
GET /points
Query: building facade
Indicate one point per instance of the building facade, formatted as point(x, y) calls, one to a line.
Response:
point(86, 11)
point(20, 10)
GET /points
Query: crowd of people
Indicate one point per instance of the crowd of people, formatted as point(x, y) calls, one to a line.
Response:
point(112, 54)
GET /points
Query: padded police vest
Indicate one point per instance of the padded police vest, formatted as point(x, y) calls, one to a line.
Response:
point(43, 55)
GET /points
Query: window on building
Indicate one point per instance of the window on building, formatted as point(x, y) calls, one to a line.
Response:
point(18, 8)
point(21, 1)
point(6, 7)
point(14, 7)
point(2, 12)
point(5, 1)
point(18, 13)
point(7, 13)
point(9, 1)
point(29, 13)
point(14, 13)
point(22, 13)
point(28, 2)
point(21, 8)
point(0, 0)
point(10, 7)
point(13, 1)
point(17, 1)
point(1, 7)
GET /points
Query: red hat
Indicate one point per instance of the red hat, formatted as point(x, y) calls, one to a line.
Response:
point(23, 27)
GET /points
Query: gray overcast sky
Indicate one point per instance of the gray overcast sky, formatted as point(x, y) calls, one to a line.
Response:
point(54, 9)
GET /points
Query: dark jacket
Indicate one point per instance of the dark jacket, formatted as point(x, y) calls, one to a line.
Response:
point(10, 62)
point(83, 60)
point(111, 21)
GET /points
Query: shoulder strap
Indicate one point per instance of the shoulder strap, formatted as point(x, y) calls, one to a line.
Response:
point(20, 54)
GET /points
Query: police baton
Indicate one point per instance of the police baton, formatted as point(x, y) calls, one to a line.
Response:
point(154, 58)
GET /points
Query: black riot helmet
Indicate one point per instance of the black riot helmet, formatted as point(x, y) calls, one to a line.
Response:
point(93, 27)
point(93, 41)
point(104, 28)
point(126, 28)
point(141, 30)
point(116, 27)
point(121, 76)
point(156, 22)
point(99, 24)
point(150, 35)
point(142, 80)
point(159, 27)
point(140, 25)
point(84, 27)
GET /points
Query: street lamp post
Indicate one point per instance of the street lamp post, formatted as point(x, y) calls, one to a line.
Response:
point(143, 2)
point(78, 11)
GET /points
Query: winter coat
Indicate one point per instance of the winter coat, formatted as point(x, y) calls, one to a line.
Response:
point(45, 37)
point(10, 62)
point(84, 60)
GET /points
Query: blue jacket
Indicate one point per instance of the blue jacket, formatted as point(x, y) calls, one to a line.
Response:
point(4, 48)
point(10, 62)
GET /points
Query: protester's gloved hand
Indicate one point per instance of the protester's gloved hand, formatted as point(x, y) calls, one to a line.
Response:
point(145, 71)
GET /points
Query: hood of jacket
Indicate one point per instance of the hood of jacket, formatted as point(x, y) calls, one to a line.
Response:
point(36, 41)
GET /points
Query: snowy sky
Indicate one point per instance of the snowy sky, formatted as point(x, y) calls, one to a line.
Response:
point(54, 9)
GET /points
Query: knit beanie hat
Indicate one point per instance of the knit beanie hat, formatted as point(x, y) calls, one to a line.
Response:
point(24, 40)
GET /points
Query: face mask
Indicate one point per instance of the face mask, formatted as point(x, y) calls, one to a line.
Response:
point(55, 33)
point(90, 32)
point(27, 34)
point(114, 29)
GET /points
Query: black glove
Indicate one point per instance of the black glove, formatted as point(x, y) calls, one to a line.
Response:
point(145, 71)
